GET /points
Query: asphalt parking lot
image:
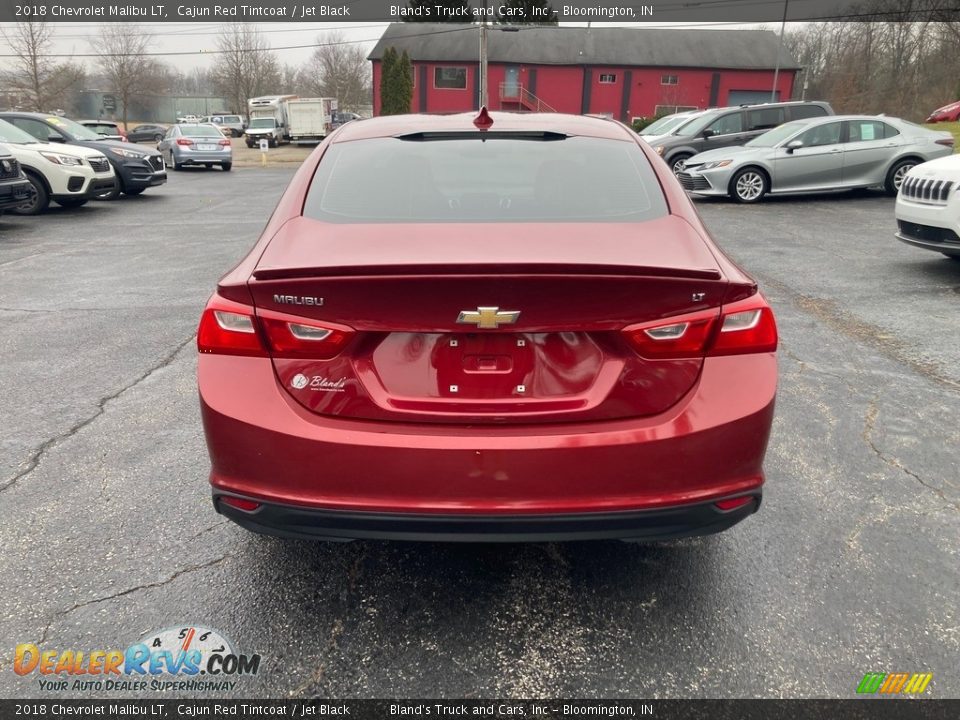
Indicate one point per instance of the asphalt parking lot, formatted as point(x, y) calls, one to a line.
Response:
point(108, 532)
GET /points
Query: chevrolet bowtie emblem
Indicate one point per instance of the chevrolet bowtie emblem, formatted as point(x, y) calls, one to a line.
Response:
point(488, 318)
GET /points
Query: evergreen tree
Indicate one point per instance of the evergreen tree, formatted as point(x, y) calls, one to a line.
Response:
point(388, 87)
point(404, 70)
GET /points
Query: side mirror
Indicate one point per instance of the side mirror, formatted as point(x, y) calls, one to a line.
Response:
point(55, 137)
point(707, 134)
point(793, 145)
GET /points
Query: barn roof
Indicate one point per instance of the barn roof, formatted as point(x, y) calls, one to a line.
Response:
point(561, 45)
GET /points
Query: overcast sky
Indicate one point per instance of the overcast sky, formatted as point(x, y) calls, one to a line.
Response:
point(193, 39)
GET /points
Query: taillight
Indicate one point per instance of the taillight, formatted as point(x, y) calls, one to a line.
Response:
point(295, 337)
point(682, 336)
point(184, 141)
point(229, 328)
point(225, 142)
point(746, 326)
point(948, 142)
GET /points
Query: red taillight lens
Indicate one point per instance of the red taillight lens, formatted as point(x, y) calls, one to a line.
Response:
point(240, 503)
point(946, 141)
point(733, 503)
point(184, 141)
point(682, 336)
point(225, 142)
point(296, 337)
point(229, 328)
point(748, 326)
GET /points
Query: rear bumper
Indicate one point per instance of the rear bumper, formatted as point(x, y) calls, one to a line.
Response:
point(339, 525)
point(266, 447)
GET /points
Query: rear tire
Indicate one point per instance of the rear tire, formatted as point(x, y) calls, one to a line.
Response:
point(72, 202)
point(173, 162)
point(40, 202)
point(226, 166)
point(749, 185)
point(157, 138)
point(896, 174)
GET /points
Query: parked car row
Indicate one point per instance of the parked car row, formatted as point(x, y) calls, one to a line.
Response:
point(728, 152)
point(134, 169)
point(69, 175)
point(832, 153)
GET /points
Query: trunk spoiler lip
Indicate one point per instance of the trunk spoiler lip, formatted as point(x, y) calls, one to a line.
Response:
point(485, 270)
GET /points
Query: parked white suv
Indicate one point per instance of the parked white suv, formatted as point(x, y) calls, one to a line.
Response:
point(67, 174)
point(928, 206)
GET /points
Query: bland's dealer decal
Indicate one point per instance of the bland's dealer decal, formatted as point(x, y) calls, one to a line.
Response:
point(318, 382)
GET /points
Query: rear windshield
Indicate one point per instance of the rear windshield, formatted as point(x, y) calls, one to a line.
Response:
point(200, 131)
point(499, 179)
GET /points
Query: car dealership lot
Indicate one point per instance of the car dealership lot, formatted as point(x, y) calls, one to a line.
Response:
point(109, 533)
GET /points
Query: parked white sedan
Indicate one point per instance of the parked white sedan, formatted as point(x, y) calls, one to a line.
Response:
point(928, 207)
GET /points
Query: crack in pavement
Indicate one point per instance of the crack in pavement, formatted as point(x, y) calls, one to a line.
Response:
point(868, 427)
point(122, 593)
point(827, 310)
point(40, 451)
point(336, 630)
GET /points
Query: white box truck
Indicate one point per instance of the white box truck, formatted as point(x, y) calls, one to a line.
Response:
point(268, 120)
point(310, 120)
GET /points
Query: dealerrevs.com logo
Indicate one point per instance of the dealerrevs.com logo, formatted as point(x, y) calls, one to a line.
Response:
point(190, 658)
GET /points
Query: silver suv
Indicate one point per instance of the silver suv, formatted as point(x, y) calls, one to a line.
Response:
point(228, 124)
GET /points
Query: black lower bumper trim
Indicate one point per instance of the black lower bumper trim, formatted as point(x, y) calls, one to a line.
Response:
point(339, 525)
point(941, 247)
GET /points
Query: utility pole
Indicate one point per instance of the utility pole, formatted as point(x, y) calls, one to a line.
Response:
point(776, 72)
point(483, 57)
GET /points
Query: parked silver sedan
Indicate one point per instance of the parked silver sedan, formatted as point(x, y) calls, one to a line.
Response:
point(839, 152)
point(196, 144)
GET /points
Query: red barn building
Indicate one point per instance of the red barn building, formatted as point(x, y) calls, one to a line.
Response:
point(618, 72)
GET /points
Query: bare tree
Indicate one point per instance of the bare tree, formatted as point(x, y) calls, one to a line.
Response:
point(40, 83)
point(125, 65)
point(901, 64)
point(245, 67)
point(338, 69)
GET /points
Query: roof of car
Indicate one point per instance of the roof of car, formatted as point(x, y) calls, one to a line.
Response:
point(393, 125)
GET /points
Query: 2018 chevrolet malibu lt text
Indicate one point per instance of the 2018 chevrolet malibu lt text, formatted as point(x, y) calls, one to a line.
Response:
point(502, 327)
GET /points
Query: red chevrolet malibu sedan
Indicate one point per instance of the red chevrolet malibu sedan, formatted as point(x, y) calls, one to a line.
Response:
point(489, 327)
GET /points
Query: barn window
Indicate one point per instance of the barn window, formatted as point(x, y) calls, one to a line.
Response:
point(669, 80)
point(450, 78)
point(661, 110)
point(607, 78)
